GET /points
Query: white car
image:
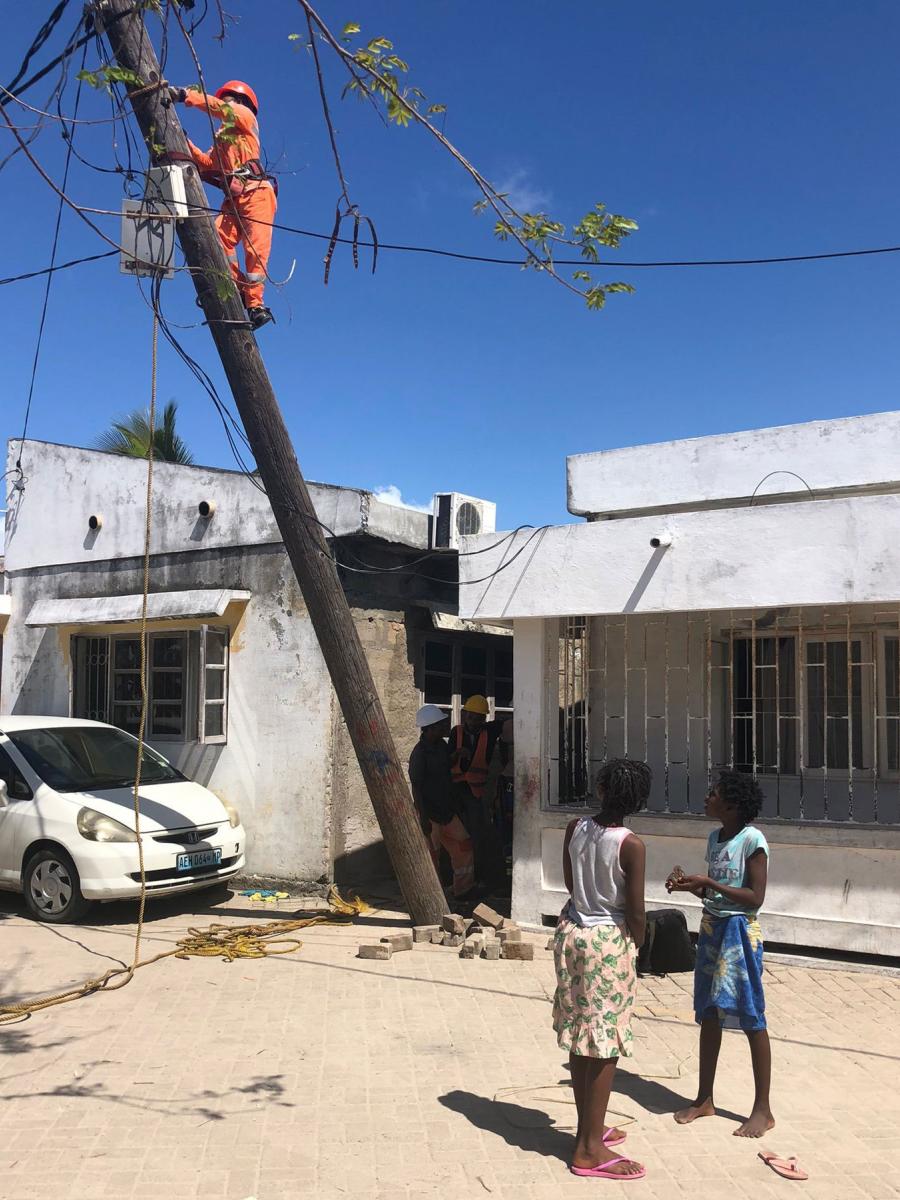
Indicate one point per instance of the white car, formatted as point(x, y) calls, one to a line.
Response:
point(67, 819)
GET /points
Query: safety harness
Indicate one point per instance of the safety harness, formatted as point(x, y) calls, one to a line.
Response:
point(233, 183)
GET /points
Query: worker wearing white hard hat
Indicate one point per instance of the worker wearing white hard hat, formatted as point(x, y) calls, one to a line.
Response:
point(429, 775)
point(430, 714)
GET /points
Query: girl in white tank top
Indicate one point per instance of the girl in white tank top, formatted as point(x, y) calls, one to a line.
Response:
point(595, 951)
point(598, 881)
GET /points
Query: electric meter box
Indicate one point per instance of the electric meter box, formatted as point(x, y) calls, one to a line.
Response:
point(165, 187)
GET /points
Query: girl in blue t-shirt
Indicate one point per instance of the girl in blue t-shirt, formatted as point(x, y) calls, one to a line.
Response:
point(728, 989)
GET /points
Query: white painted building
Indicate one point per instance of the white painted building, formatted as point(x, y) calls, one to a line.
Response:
point(240, 697)
point(729, 601)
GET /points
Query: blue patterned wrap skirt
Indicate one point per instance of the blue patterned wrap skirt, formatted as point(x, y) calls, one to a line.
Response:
point(728, 974)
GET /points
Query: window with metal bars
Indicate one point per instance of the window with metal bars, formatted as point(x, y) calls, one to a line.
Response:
point(187, 683)
point(837, 723)
point(808, 699)
point(572, 768)
point(454, 669)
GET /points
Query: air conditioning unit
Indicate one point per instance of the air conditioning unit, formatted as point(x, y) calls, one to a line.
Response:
point(456, 516)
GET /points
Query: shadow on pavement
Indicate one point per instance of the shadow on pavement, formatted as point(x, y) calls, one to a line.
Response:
point(527, 1128)
point(206, 1105)
point(655, 1097)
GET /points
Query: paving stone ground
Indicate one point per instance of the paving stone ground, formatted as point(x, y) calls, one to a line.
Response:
point(319, 1074)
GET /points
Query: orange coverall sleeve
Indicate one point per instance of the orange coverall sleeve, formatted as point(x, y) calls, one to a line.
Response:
point(202, 159)
point(243, 118)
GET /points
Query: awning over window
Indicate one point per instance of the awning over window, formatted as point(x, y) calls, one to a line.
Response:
point(454, 624)
point(161, 606)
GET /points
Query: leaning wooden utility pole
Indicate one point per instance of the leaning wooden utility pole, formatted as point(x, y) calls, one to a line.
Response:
point(123, 24)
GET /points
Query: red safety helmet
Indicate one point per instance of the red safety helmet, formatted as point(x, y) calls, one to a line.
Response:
point(238, 89)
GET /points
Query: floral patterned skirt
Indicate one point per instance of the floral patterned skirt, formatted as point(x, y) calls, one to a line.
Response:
point(595, 988)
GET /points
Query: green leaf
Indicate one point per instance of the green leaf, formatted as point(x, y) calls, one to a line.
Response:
point(435, 108)
point(596, 298)
point(350, 28)
point(582, 275)
point(293, 37)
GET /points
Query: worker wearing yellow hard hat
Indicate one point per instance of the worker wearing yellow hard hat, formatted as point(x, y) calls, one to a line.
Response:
point(472, 745)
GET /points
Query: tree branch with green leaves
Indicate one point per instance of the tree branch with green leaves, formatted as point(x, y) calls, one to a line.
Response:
point(378, 74)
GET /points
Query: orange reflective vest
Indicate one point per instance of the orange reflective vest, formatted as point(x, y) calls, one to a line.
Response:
point(475, 775)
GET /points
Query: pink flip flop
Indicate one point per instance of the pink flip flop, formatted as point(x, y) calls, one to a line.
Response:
point(603, 1172)
point(787, 1168)
point(609, 1140)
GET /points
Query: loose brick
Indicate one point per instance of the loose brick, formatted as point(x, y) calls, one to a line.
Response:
point(453, 939)
point(437, 937)
point(485, 915)
point(399, 941)
point(491, 950)
point(505, 936)
point(422, 933)
point(551, 942)
point(468, 950)
point(508, 923)
point(524, 951)
point(380, 950)
point(453, 923)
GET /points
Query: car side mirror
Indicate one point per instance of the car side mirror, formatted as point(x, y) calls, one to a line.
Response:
point(4, 794)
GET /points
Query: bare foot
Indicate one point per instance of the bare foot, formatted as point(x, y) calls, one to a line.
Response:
point(756, 1125)
point(700, 1108)
point(613, 1135)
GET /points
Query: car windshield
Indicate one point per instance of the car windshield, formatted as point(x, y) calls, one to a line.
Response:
point(83, 758)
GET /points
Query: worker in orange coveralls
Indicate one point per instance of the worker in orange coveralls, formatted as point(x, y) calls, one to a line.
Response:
point(233, 163)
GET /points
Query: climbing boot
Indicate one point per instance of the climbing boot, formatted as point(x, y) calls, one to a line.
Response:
point(259, 316)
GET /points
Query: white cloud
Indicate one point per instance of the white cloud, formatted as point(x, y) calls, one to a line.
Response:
point(522, 192)
point(390, 494)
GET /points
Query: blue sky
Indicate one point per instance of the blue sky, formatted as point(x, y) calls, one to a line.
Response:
point(725, 130)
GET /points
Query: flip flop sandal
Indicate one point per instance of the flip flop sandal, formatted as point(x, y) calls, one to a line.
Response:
point(609, 1140)
point(785, 1167)
point(603, 1172)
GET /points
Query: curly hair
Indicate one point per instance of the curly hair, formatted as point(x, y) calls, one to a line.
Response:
point(741, 791)
point(623, 785)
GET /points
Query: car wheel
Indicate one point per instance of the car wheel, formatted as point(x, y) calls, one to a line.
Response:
point(52, 888)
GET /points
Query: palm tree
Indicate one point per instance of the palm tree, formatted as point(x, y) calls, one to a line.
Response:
point(131, 436)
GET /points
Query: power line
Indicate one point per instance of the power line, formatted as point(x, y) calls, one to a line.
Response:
point(73, 262)
point(50, 273)
point(581, 262)
point(40, 39)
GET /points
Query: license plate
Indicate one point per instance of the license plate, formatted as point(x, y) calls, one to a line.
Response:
point(198, 858)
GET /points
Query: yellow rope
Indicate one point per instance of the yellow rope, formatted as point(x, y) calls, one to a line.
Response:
point(228, 942)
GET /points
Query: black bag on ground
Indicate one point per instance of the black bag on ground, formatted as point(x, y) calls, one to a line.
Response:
point(667, 947)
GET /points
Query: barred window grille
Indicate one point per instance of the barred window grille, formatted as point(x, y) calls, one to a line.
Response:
point(806, 699)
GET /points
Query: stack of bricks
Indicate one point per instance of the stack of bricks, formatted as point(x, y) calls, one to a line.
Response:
point(486, 935)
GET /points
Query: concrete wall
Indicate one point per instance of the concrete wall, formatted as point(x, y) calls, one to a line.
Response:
point(832, 885)
point(822, 552)
point(47, 523)
point(817, 456)
point(275, 766)
point(391, 642)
